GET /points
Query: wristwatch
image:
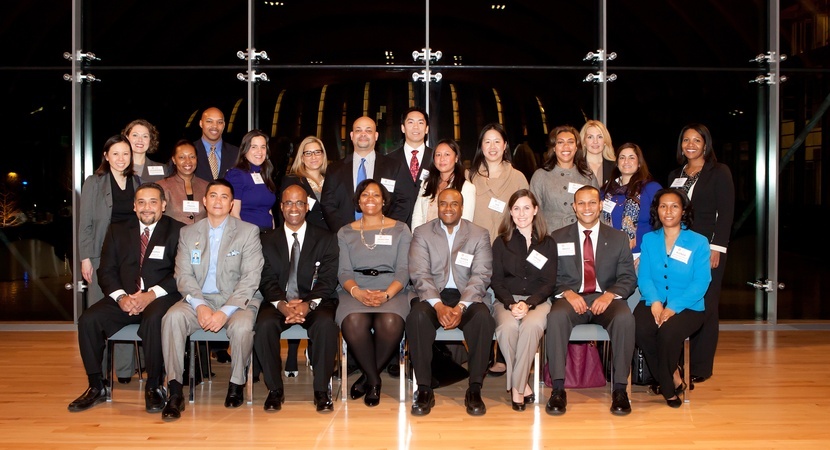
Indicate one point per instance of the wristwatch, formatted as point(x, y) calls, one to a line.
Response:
point(313, 304)
point(118, 299)
point(463, 308)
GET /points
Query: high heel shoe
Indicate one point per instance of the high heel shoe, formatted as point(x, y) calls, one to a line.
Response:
point(678, 391)
point(518, 406)
point(530, 398)
point(675, 402)
point(372, 395)
point(358, 388)
point(653, 389)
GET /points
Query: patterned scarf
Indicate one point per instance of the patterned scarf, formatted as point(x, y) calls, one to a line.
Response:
point(631, 209)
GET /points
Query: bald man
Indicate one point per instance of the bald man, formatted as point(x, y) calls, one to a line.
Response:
point(224, 154)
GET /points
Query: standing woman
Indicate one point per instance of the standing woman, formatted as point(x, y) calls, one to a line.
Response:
point(445, 172)
point(674, 275)
point(308, 171)
point(524, 277)
point(253, 188)
point(627, 196)
point(708, 184)
point(565, 170)
point(144, 139)
point(183, 190)
point(598, 150)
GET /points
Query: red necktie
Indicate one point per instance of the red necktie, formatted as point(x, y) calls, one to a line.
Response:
point(588, 262)
point(145, 238)
point(413, 165)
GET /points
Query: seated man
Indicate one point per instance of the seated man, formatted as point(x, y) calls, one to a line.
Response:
point(450, 264)
point(591, 289)
point(218, 267)
point(298, 282)
point(136, 271)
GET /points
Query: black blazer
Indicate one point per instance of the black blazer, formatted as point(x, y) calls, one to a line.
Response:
point(319, 246)
point(607, 170)
point(315, 214)
point(399, 155)
point(713, 200)
point(230, 153)
point(122, 247)
point(338, 191)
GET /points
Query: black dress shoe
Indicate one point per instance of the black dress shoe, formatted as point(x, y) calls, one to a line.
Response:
point(274, 401)
point(696, 379)
point(557, 403)
point(173, 409)
point(517, 406)
point(675, 402)
point(322, 400)
point(124, 380)
point(358, 388)
point(424, 401)
point(91, 397)
point(372, 395)
point(154, 399)
point(222, 356)
point(235, 396)
point(474, 403)
point(653, 389)
point(530, 398)
point(620, 405)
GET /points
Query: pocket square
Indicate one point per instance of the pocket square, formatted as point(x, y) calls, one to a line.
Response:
point(233, 253)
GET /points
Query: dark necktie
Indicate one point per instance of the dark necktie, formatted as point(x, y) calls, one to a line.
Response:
point(145, 238)
point(413, 165)
point(361, 175)
point(291, 291)
point(588, 262)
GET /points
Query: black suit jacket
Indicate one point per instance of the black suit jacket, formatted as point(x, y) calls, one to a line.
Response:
point(319, 246)
point(314, 215)
point(713, 200)
point(120, 254)
point(230, 153)
point(338, 191)
point(399, 155)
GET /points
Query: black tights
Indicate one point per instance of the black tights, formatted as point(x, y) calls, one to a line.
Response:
point(372, 351)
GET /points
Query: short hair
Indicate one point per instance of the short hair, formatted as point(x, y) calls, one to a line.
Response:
point(151, 185)
point(154, 133)
point(415, 109)
point(688, 211)
point(478, 158)
point(220, 182)
point(104, 167)
point(608, 150)
point(586, 187)
point(174, 169)
point(708, 149)
point(387, 197)
point(298, 166)
point(507, 226)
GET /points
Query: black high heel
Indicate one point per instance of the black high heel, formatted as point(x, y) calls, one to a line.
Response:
point(675, 402)
point(679, 390)
point(517, 406)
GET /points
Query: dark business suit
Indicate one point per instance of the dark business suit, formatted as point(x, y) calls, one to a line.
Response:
point(405, 158)
point(430, 260)
point(319, 254)
point(119, 271)
point(338, 191)
point(315, 213)
point(230, 153)
point(614, 267)
point(713, 199)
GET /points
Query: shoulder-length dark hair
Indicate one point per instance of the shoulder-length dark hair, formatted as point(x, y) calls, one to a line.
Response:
point(580, 161)
point(154, 133)
point(639, 179)
point(688, 211)
point(267, 168)
point(479, 165)
point(708, 149)
point(384, 193)
point(105, 168)
point(507, 226)
point(434, 178)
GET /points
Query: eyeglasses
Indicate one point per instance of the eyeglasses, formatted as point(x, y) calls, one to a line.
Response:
point(312, 153)
point(300, 204)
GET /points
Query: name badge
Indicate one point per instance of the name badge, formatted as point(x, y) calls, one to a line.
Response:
point(311, 202)
point(196, 257)
point(566, 249)
point(681, 254)
point(678, 182)
point(424, 174)
point(257, 178)
point(155, 170)
point(608, 205)
point(573, 187)
point(383, 239)
point(157, 253)
point(496, 205)
point(388, 184)
point(464, 259)
point(537, 259)
point(191, 206)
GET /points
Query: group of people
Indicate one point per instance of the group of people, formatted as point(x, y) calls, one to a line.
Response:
point(377, 246)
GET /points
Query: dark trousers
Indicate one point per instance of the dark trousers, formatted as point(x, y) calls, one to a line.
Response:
point(476, 323)
point(617, 320)
point(105, 318)
point(703, 344)
point(322, 330)
point(662, 346)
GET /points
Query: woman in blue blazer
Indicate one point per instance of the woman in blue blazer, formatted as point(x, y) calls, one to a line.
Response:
point(674, 276)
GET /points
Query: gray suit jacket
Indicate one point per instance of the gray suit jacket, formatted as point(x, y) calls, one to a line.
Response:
point(430, 260)
point(238, 269)
point(613, 262)
point(95, 215)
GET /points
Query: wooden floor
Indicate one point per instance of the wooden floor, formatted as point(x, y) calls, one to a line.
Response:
point(771, 390)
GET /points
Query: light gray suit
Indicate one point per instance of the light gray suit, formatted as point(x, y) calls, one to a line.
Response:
point(238, 272)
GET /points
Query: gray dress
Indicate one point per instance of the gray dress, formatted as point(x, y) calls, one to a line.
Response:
point(354, 255)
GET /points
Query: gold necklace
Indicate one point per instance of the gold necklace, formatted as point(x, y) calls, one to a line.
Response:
point(363, 240)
